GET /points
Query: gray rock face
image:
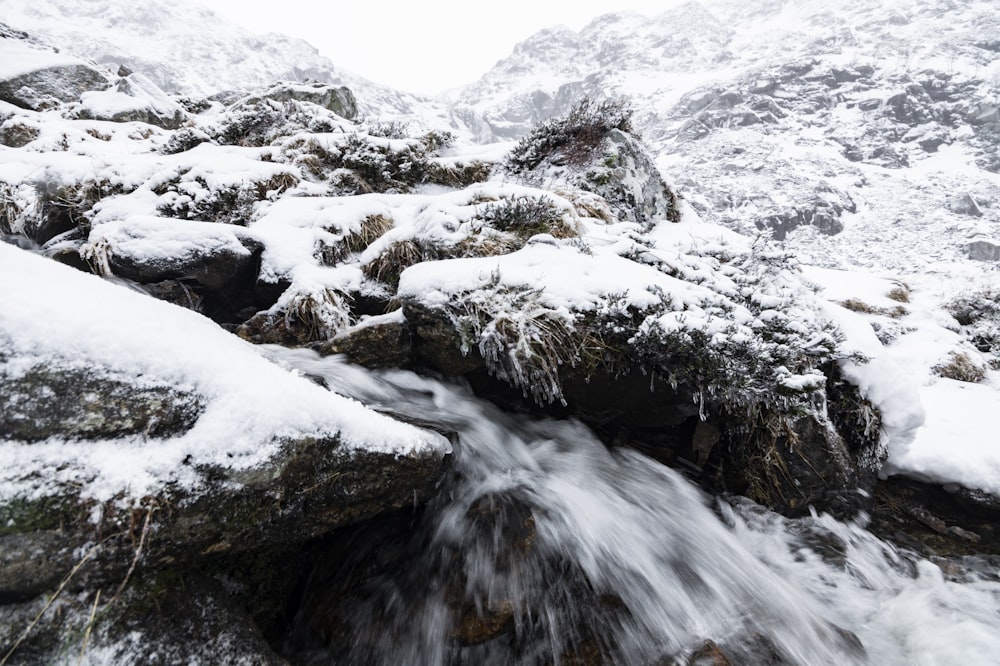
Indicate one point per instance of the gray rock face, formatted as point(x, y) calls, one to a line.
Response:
point(623, 172)
point(338, 99)
point(983, 250)
point(965, 204)
point(42, 78)
point(46, 87)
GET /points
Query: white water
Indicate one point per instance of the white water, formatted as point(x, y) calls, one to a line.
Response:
point(628, 556)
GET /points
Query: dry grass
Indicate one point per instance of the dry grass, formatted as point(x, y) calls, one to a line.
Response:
point(321, 315)
point(372, 228)
point(901, 293)
point(389, 265)
point(961, 368)
point(857, 305)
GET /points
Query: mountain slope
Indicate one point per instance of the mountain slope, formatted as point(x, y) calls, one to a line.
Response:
point(185, 47)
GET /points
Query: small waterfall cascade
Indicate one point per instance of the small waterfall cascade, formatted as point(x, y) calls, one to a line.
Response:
point(546, 547)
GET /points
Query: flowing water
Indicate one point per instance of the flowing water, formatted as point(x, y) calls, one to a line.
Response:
point(548, 548)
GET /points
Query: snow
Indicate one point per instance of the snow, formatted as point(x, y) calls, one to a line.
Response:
point(18, 58)
point(958, 443)
point(56, 312)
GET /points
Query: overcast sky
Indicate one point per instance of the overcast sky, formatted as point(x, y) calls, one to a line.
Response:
point(423, 46)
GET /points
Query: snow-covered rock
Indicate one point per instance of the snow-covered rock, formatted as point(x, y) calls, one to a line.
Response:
point(115, 403)
point(133, 98)
point(35, 76)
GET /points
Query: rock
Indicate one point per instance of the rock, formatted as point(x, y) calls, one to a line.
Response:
point(589, 149)
point(965, 204)
point(43, 78)
point(826, 453)
point(54, 399)
point(378, 342)
point(983, 249)
point(213, 255)
point(937, 521)
point(338, 99)
point(133, 98)
point(822, 210)
point(709, 654)
point(623, 172)
point(161, 619)
point(308, 489)
point(217, 264)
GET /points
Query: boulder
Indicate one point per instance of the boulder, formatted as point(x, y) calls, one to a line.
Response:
point(338, 99)
point(593, 149)
point(125, 446)
point(133, 98)
point(36, 77)
point(150, 250)
point(624, 174)
point(822, 210)
point(983, 249)
point(184, 618)
point(90, 406)
point(965, 204)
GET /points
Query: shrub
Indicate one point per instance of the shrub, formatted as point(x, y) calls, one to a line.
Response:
point(522, 341)
point(183, 140)
point(255, 124)
point(979, 314)
point(232, 204)
point(525, 216)
point(573, 136)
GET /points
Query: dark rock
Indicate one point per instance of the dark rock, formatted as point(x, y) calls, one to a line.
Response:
point(380, 342)
point(159, 620)
point(789, 462)
point(219, 259)
point(52, 400)
point(308, 489)
point(944, 521)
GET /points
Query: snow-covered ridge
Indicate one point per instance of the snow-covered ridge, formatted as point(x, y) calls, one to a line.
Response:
point(184, 47)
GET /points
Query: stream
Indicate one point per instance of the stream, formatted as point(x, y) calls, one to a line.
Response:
point(546, 547)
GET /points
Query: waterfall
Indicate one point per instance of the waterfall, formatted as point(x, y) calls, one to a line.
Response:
point(546, 547)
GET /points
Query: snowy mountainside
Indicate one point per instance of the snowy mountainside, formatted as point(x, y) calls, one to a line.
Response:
point(185, 47)
point(774, 116)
